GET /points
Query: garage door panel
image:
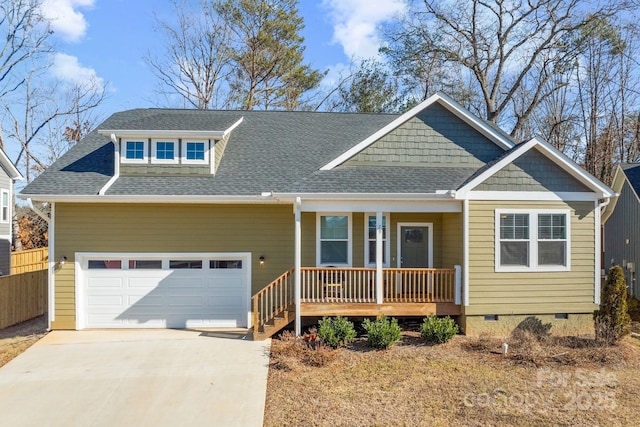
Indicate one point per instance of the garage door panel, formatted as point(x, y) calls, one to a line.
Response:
point(106, 300)
point(175, 298)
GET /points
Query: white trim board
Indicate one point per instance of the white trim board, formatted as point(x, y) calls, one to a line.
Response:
point(546, 149)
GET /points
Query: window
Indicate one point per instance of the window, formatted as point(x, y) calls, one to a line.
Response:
point(6, 206)
point(134, 152)
point(334, 235)
point(145, 264)
point(164, 152)
point(532, 240)
point(185, 264)
point(370, 240)
point(105, 264)
point(225, 264)
point(194, 151)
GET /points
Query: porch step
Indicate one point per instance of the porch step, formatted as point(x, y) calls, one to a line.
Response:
point(274, 326)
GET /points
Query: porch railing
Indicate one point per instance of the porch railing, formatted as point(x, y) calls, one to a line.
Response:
point(273, 299)
point(358, 285)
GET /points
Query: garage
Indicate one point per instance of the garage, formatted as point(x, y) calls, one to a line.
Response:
point(159, 290)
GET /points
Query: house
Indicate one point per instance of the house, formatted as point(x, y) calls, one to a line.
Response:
point(621, 220)
point(182, 218)
point(8, 175)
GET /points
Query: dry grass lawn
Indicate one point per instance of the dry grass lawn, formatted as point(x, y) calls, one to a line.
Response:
point(466, 382)
point(16, 339)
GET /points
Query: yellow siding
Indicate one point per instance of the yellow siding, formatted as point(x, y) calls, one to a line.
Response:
point(452, 240)
point(358, 236)
point(266, 230)
point(528, 293)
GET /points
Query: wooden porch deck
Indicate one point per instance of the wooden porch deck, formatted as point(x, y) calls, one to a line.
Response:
point(354, 292)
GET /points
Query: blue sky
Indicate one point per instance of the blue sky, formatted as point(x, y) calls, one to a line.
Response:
point(107, 39)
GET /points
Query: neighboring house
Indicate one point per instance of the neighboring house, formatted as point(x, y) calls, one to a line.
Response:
point(621, 220)
point(8, 175)
point(175, 218)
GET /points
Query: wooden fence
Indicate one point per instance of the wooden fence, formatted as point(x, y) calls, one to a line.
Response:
point(22, 297)
point(29, 260)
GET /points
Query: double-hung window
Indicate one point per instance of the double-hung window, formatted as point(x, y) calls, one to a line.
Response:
point(370, 240)
point(536, 240)
point(334, 239)
point(6, 206)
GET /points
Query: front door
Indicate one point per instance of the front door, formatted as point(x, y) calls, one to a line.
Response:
point(414, 246)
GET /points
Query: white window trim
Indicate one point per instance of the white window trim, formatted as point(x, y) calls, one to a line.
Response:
point(145, 152)
point(533, 241)
point(8, 219)
point(183, 156)
point(386, 242)
point(349, 239)
point(154, 152)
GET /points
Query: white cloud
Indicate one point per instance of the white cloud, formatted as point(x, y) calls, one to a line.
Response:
point(67, 68)
point(355, 22)
point(66, 21)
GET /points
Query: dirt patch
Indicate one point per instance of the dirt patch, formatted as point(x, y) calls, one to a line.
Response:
point(16, 339)
point(464, 382)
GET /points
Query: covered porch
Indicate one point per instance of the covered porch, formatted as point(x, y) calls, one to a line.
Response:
point(338, 270)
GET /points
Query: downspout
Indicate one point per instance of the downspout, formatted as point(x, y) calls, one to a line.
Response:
point(38, 212)
point(116, 165)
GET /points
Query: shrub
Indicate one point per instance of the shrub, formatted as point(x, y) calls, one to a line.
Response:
point(382, 333)
point(438, 329)
point(612, 321)
point(336, 331)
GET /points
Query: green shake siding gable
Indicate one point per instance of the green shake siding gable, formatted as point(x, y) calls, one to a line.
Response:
point(266, 230)
point(492, 292)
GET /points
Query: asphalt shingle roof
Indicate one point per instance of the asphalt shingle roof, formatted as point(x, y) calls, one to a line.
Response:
point(269, 151)
point(632, 171)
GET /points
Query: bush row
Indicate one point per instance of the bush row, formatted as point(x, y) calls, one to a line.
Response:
point(383, 332)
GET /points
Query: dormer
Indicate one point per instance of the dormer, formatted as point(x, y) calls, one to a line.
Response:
point(169, 151)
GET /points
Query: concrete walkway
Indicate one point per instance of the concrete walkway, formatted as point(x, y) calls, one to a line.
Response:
point(136, 378)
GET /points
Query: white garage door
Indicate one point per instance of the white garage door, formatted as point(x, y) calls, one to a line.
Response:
point(163, 291)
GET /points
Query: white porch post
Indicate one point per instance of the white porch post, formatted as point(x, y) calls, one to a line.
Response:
point(458, 298)
point(297, 265)
point(379, 235)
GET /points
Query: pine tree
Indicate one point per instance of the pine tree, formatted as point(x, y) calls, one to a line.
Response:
point(612, 321)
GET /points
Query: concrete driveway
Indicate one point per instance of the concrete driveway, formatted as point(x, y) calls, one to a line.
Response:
point(136, 378)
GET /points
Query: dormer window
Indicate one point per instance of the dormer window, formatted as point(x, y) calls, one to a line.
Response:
point(195, 152)
point(135, 152)
point(164, 151)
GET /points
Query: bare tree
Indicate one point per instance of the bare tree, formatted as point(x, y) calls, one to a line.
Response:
point(511, 49)
point(196, 55)
point(39, 113)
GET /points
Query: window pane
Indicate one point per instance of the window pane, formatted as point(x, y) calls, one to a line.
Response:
point(180, 264)
point(514, 226)
point(372, 252)
point(195, 150)
point(145, 264)
point(164, 150)
point(218, 263)
point(552, 226)
point(333, 252)
point(551, 253)
point(372, 227)
point(334, 227)
point(514, 253)
point(103, 264)
point(135, 150)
